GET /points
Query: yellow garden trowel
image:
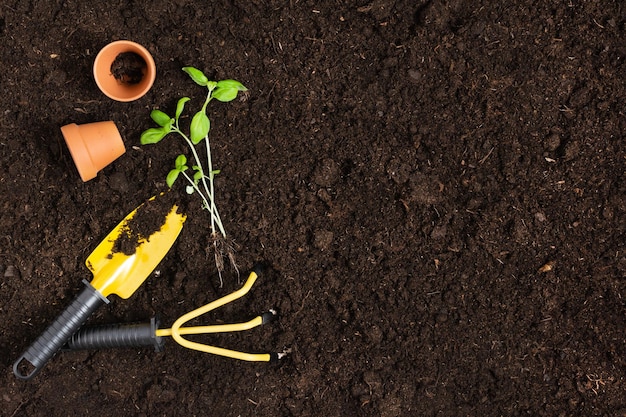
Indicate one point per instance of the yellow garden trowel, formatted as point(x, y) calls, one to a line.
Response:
point(114, 272)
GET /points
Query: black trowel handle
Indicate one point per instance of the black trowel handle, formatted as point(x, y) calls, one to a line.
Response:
point(58, 333)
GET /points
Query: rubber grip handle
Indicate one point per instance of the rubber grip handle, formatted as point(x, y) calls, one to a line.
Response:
point(117, 336)
point(57, 334)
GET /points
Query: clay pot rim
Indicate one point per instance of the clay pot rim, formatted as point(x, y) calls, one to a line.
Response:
point(107, 83)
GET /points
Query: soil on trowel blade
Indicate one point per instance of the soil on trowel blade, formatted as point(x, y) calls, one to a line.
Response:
point(148, 220)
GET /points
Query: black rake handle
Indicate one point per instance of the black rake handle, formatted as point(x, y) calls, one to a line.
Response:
point(117, 336)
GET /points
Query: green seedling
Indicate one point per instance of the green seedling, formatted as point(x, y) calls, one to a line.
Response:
point(200, 176)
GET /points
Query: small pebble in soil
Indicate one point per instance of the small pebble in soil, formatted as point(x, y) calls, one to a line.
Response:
point(323, 239)
point(375, 334)
point(119, 182)
point(11, 272)
point(398, 171)
point(56, 77)
point(327, 173)
point(414, 76)
point(442, 316)
point(552, 142)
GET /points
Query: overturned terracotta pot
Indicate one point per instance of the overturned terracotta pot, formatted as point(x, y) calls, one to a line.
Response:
point(93, 146)
point(124, 70)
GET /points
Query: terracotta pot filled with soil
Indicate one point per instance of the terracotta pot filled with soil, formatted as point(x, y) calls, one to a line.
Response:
point(93, 146)
point(124, 70)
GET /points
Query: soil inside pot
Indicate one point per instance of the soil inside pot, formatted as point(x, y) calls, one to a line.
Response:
point(128, 68)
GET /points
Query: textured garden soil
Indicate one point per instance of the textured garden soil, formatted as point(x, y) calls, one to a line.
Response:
point(437, 188)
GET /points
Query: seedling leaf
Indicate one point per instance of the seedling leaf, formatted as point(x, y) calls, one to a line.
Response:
point(160, 118)
point(225, 94)
point(231, 84)
point(180, 162)
point(171, 177)
point(196, 75)
point(153, 135)
point(181, 106)
point(199, 128)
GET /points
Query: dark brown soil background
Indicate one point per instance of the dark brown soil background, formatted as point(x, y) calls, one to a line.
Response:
point(437, 186)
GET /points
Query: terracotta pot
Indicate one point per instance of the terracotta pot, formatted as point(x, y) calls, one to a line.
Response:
point(93, 146)
point(123, 89)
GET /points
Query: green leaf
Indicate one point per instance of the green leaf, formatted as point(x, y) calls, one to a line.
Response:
point(160, 118)
point(153, 135)
point(196, 75)
point(199, 127)
point(181, 106)
point(180, 162)
point(225, 94)
point(214, 173)
point(231, 84)
point(197, 176)
point(171, 177)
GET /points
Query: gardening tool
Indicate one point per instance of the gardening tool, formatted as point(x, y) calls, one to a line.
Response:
point(113, 273)
point(148, 334)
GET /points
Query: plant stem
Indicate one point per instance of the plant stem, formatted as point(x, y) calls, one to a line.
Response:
point(208, 200)
point(211, 190)
point(195, 187)
point(211, 186)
